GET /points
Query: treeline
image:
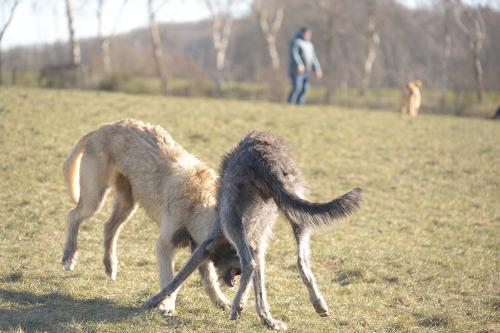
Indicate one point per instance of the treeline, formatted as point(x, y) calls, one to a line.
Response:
point(361, 45)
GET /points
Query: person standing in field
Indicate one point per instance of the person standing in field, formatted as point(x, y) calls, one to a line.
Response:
point(302, 61)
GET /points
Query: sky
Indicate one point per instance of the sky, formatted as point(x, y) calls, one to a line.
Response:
point(38, 22)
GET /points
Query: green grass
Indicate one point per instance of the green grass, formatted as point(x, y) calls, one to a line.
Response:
point(421, 256)
point(276, 88)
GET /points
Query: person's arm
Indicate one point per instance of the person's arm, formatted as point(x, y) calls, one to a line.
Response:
point(316, 65)
point(296, 56)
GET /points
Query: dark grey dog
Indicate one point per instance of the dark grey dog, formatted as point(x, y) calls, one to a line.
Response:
point(258, 178)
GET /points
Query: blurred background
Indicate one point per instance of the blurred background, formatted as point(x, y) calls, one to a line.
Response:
point(238, 49)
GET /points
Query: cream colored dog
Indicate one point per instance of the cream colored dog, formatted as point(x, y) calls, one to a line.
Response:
point(412, 99)
point(145, 167)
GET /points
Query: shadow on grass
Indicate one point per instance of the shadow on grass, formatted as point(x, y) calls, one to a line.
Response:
point(55, 311)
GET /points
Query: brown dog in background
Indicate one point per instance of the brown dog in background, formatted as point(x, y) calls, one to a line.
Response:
point(412, 98)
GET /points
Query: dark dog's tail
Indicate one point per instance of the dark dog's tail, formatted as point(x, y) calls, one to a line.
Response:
point(311, 214)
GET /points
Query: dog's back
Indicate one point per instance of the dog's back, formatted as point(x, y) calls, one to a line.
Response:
point(156, 166)
point(261, 166)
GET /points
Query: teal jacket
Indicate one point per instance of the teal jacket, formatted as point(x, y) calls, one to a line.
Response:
point(296, 56)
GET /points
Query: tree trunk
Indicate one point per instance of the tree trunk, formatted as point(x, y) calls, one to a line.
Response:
point(329, 54)
point(1, 66)
point(270, 31)
point(157, 49)
point(2, 34)
point(446, 49)
point(221, 31)
point(373, 43)
point(476, 32)
point(74, 44)
point(106, 58)
point(14, 76)
point(273, 52)
point(104, 41)
point(478, 70)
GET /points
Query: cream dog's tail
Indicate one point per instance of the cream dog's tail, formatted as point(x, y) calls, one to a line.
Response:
point(71, 167)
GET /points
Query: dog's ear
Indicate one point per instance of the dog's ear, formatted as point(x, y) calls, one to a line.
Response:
point(418, 83)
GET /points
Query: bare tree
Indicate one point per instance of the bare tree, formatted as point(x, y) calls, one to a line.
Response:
point(270, 16)
point(447, 14)
point(8, 8)
point(153, 9)
point(470, 21)
point(222, 22)
point(73, 42)
point(373, 40)
point(333, 12)
point(105, 40)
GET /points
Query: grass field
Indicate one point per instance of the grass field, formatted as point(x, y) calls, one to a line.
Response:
point(458, 103)
point(421, 256)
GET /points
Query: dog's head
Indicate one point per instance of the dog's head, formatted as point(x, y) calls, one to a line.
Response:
point(227, 263)
point(411, 86)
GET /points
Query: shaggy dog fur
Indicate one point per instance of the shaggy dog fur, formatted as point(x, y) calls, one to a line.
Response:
point(258, 179)
point(412, 99)
point(145, 167)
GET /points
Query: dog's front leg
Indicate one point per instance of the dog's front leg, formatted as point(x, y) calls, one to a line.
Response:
point(212, 287)
point(164, 255)
point(200, 254)
point(302, 237)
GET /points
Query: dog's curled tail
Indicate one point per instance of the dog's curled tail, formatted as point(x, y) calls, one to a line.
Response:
point(311, 214)
point(71, 168)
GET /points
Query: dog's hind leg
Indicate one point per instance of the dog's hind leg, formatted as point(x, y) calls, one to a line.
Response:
point(93, 190)
point(259, 287)
point(235, 233)
point(302, 237)
point(124, 207)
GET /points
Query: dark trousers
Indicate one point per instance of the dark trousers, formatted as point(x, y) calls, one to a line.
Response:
point(300, 85)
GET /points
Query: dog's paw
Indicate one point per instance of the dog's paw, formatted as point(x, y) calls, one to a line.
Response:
point(222, 303)
point(111, 268)
point(321, 309)
point(235, 312)
point(154, 301)
point(225, 306)
point(69, 260)
point(275, 324)
point(167, 307)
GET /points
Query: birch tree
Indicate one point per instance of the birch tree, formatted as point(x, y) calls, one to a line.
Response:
point(75, 54)
point(470, 22)
point(8, 9)
point(270, 16)
point(446, 45)
point(372, 39)
point(333, 14)
point(222, 23)
point(105, 40)
point(153, 8)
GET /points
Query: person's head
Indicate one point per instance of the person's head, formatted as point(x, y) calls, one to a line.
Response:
point(305, 33)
